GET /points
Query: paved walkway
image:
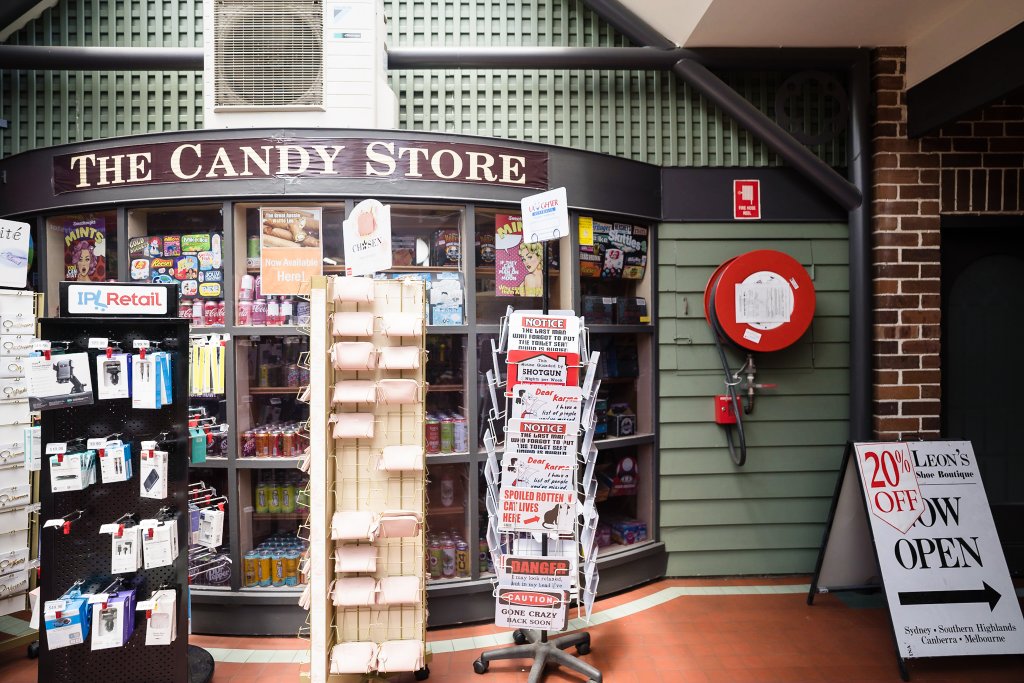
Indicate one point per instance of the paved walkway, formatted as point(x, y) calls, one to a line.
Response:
point(682, 630)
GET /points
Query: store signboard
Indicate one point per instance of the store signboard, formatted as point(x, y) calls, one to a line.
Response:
point(291, 249)
point(531, 609)
point(81, 298)
point(327, 157)
point(545, 216)
point(942, 566)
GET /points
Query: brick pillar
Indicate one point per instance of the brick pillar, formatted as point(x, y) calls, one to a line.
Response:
point(905, 259)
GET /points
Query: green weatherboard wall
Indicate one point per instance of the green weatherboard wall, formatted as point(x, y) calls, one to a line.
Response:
point(640, 115)
point(767, 516)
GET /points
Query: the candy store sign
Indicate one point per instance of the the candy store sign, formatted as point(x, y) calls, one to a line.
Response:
point(246, 159)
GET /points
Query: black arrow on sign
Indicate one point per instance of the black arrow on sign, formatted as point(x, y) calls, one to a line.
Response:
point(987, 594)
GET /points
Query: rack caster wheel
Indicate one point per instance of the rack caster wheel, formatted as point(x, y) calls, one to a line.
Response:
point(422, 674)
point(33, 650)
point(519, 637)
point(480, 666)
point(583, 649)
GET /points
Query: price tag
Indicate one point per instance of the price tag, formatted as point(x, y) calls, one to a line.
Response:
point(55, 606)
point(99, 598)
point(109, 528)
point(148, 445)
point(56, 448)
point(98, 342)
point(145, 605)
point(93, 444)
point(40, 345)
point(140, 344)
point(53, 523)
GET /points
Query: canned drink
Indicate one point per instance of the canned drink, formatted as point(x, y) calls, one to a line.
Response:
point(435, 557)
point(252, 247)
point(210, 313)
point(252, 570)
point(292, 376)
point(197, 312)
point(248, 444)
point(288, 443)
point(185, 308)
point(291, 568)
point(262, 498)
point(274, 443)
point(447, 435)
point(278, 559)
point(461, 558)
point(484, 554)
point(287, 494)
point(273, 312)
point(258, 315)
point(274, 499)
point(221, 311)
point(245, 313)
point(448, 559)
point(461, 435)
point(433, 435)
point(302, 312)
point(286, 310)
point(262, 439)
point(266, 568)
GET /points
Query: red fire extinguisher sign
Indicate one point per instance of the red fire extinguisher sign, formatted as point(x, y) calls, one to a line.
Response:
point(746, 199)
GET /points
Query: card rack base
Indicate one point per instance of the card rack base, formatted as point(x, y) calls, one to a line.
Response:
point(544, 653)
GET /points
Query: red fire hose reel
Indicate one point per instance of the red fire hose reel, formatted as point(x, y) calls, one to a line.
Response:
point(761, 301)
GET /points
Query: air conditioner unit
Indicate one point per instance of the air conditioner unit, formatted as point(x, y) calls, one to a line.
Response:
point(296, 63)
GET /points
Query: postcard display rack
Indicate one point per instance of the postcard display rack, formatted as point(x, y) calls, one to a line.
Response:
point(366, 576)
point(77, 538)
point(17, 337)
point(541, 488)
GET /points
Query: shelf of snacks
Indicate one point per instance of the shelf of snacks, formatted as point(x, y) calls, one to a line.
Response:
point(268, 377)
point(79, 247)
point(182, 245)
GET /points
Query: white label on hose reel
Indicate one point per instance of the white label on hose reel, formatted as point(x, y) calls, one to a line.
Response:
point(764, 299)
point(752, 336)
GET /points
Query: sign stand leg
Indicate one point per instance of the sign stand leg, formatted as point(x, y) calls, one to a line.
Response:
point(828, 525)
point(544, 651)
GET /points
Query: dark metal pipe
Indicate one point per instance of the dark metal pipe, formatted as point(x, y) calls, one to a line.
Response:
point(861, 312)
point(66, 58)
point(628, 24)
point(646, 58)
point(773, 135)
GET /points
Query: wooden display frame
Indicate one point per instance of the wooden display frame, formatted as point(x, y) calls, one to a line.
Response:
point(344, 476)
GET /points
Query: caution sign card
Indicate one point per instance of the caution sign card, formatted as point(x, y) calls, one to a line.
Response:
point(530, 609)
point(946, 580)
point(542, 349)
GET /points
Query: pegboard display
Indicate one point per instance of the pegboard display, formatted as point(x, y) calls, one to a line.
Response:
point(84, 553)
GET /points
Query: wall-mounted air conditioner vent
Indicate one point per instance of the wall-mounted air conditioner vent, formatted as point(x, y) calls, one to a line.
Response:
point(268, 53)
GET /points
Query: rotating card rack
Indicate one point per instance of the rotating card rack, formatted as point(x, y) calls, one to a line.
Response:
point(83, 553)
point(363, 636)
point(574, 547)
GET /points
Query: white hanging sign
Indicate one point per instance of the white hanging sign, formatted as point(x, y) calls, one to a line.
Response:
point(367, 234)
point(545, 216)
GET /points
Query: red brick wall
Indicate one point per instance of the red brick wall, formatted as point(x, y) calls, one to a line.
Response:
point(971, 166)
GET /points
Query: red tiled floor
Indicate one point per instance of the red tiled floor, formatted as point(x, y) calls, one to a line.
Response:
point(692, 639)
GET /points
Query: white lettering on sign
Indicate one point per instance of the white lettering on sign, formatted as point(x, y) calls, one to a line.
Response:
point(117, 299)
point(893, 492)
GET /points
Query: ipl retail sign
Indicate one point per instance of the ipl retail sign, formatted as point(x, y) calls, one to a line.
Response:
point(98, 299)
